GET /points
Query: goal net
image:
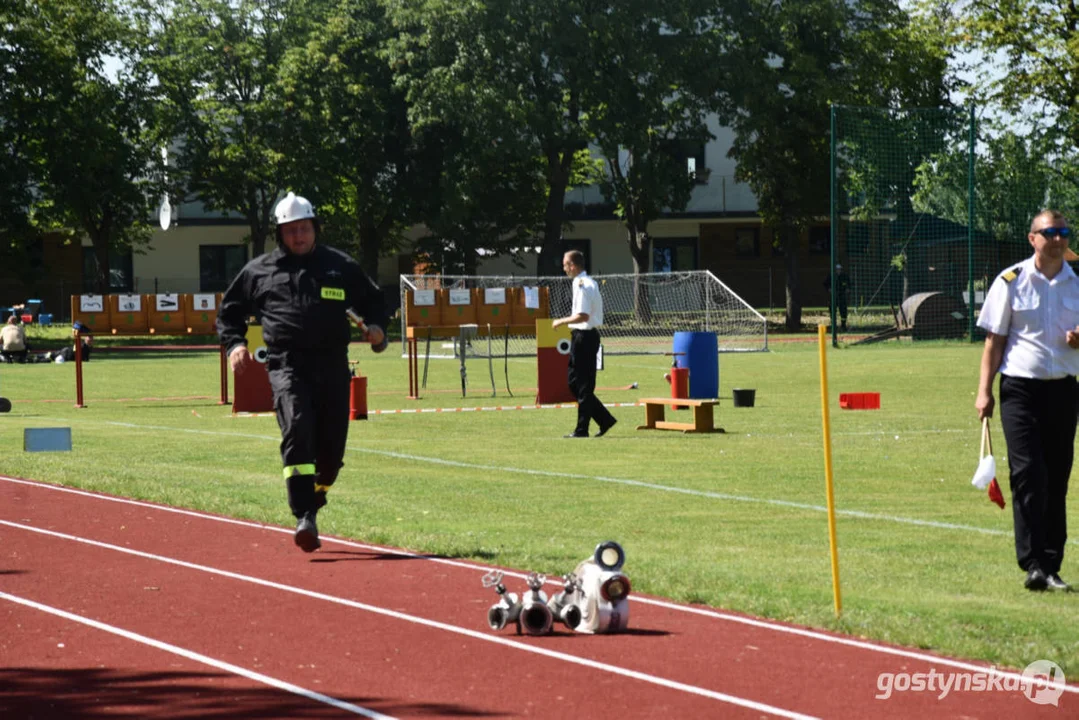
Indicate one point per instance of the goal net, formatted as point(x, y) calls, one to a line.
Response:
point(641, 312)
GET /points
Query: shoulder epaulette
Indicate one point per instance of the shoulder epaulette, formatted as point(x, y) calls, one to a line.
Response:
point(1012, 274)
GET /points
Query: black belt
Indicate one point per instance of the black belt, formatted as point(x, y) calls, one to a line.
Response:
point(589, 330)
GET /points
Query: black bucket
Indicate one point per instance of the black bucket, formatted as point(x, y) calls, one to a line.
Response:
point(744, 397)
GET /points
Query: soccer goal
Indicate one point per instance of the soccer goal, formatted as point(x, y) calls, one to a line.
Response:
point(641, 312)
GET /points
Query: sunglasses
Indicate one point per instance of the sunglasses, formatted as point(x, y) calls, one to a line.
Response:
point(1052, 232)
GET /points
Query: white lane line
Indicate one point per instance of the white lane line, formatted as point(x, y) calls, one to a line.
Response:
point(861, 515)
point(199, 658)
point(714, 614)
point(564, 657)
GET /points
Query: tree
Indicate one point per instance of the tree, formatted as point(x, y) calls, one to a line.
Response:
point(1016, 177)
point(644, 114)
point(357, 146)
point(807, 55)
point(216, 63)
point(93, 164)
point(515, 67)
point(488, 202)
point(1036, 42)
point(22, 69)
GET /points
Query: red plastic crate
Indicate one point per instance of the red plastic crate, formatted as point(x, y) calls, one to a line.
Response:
point(859, 401)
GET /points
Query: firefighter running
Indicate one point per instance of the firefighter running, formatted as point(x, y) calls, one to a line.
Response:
point(300, 293)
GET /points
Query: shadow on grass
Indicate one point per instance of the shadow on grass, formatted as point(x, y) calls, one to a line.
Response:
point(97, 694)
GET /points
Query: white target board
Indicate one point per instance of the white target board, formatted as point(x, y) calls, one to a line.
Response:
point(532, 298)
point(129, 303)
point(204, 301)
point(91, 303)
point(168, 302)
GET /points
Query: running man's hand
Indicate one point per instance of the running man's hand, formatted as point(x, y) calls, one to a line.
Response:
point(377, 337)
point(239, 359)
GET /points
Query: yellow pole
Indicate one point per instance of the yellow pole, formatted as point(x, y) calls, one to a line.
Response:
point(826, 426)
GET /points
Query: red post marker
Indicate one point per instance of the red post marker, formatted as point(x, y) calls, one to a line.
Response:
point(224, 378)
point(78, 370)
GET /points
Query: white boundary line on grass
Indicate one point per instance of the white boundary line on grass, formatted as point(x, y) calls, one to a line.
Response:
point(710, 613)
point(198, 657)
point(858, 514)
point(425, 411)
point(434, 624)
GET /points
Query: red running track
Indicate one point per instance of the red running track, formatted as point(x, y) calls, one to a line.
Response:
point(115, 608)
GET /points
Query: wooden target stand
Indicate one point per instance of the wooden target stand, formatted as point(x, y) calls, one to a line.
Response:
point(135, 315)
point(79, 398)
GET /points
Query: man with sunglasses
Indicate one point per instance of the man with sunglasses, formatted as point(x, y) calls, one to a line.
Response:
point(1031, 319)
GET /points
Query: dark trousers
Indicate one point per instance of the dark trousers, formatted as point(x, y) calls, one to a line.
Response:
point(14, 355)
point(311, 399)
point(1039, 418)
point(583, 349)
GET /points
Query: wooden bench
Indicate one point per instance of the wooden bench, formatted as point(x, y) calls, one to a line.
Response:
point(702, 415)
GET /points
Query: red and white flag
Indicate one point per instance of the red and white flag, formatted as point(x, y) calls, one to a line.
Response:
point(985, 477)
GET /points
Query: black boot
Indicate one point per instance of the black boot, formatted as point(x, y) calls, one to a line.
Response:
point(306, 536)
point(303, 503)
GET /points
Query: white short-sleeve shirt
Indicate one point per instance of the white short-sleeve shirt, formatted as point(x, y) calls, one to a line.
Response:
point(586, 299)
point(1035, 313)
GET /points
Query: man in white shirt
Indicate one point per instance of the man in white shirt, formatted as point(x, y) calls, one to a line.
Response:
point(13, 341)
point(585, 317)
point(1031, 319)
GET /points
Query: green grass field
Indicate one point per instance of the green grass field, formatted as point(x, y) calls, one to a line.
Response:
point(733, 520)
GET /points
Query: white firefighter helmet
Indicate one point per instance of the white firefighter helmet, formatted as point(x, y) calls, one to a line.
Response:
point(293, 208)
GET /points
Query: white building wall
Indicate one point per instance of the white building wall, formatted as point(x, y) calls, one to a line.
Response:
point(720, 194)
point(608, 246)
point(172, 258)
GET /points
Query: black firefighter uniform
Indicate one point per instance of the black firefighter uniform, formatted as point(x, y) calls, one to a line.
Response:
point(300, 301)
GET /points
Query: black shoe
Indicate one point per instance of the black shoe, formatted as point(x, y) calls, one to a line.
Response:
point(603, 430)
point(307, 533)
point(1053, 582)
point(575, 435)
point(320, 499)
point(1036, 579)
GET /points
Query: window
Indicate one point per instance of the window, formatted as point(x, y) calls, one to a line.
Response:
point(820, 241)
point(120, 272)
point(747, 242)
point(218, 265)
point(582, 244)
point(690, 153)
point(674, 254)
